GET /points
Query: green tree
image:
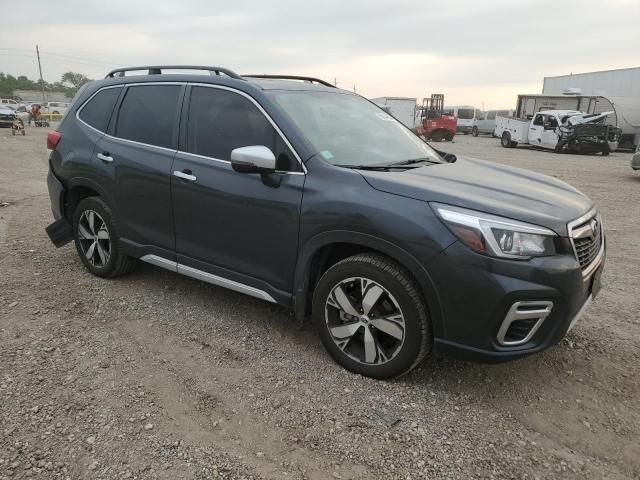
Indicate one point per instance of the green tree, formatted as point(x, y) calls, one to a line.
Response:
point(74, 79)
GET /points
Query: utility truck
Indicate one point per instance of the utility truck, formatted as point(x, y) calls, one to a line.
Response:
point(560, 130)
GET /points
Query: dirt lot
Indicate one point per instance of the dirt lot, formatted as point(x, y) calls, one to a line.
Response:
point(160, 376)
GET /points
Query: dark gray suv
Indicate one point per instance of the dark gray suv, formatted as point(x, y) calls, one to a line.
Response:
point(299, 193)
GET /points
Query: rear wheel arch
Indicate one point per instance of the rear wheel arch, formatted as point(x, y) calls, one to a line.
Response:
point(327, 249)
point(79, 189)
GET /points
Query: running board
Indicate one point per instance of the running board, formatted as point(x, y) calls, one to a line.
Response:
point(207, 277)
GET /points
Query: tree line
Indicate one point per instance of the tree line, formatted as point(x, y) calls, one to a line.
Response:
point(69, 83)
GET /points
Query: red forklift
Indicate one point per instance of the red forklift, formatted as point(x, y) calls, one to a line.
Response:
point(434, 125)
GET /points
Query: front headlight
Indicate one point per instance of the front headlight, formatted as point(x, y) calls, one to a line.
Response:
point(497, 236)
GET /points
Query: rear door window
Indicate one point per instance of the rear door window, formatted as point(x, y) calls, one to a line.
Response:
point(221, 121)
point(97, 111)
point(148, 114)
point(491, 115)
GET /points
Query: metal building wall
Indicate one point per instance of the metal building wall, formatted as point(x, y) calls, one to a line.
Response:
point(624, 82)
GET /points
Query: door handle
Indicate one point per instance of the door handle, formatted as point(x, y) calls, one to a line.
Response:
point(185, 175)
point(105, 157)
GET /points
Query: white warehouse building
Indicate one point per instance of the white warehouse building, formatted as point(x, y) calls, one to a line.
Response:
point(624, 82)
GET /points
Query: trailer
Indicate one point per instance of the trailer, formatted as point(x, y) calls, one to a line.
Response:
point(626, 111)
point(402, 108)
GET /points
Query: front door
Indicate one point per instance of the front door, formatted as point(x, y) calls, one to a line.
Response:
point(550, 132)
point(241, 227)
point(535, 129)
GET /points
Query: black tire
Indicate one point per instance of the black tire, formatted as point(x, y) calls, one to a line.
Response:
point(506, 142)
point(13, 131)
point(436, 136)
point(417, 337)
point(449, 136)
point(475, 131)
point(23, 132)
point(606, 151)
point(118, 263)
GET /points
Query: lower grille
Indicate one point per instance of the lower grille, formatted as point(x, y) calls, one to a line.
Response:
point(522, 321)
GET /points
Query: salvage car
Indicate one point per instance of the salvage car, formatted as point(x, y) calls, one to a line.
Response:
point(560, 130)
point(293, 191)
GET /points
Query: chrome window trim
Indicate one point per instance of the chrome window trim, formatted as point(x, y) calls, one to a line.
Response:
point(207, 277)
point(220, 87)
point(591, 268)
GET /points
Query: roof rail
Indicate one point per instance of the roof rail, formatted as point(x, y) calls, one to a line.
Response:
point(294, 77)
point(157, 70)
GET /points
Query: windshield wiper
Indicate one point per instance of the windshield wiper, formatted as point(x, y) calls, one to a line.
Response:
point(367, 167)
point(413, 161)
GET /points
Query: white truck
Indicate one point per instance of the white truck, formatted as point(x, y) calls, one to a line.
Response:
point(560, 130)
point(402, 108)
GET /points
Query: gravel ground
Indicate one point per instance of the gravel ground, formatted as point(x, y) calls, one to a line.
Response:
point(160, 376)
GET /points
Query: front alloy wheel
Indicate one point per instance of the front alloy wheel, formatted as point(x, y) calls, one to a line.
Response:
point(371, 316)
point(365, 320)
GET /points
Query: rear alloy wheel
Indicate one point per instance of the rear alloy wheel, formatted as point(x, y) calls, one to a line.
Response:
point(371, 317)
point(475, 132)
point(96, 237)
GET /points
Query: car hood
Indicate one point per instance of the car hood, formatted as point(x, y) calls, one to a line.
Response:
point(491, 188)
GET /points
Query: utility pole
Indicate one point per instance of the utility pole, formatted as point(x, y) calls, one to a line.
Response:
point(335, 82)
point(354, 88)
point(44, 100)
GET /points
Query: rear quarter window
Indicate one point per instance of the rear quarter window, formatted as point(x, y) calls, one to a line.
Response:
point(148, 114)
point(97, 111)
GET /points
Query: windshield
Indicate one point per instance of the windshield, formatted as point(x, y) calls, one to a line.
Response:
point(349, 130)
point(465, 113)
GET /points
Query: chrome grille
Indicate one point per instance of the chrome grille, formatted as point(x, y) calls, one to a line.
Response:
point(587, 240)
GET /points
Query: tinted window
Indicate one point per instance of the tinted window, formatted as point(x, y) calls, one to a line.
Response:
point(220, 121)
point(539, 120)
point(148, 114)
point(491, 116)
point(98, 111)
point(465, 113)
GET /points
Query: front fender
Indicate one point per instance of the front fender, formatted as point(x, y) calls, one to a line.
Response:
point(307, 252)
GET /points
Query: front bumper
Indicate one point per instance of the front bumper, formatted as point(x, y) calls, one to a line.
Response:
point(477, 293)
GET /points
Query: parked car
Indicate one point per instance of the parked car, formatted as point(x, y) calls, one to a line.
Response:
point(9, 102)
point(486, 122)
point(7, 116)
point(55, 108)
point(466, 115)
point(560, 130)
point(309, 196)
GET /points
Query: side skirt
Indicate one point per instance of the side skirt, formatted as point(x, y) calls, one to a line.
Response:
point(207, 277)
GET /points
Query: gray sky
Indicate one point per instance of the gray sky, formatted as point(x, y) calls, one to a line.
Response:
point(475, 52)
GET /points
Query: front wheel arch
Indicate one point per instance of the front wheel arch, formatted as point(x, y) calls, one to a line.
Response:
point(307, 273)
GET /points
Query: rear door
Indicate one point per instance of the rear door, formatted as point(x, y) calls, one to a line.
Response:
point(135, 159)
point(237, 226)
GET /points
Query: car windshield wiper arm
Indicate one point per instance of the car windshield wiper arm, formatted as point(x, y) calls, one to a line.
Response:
point(383, 167)
point(413, 161)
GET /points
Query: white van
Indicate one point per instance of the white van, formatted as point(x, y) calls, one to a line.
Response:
point(486, 122)
point(466, 115)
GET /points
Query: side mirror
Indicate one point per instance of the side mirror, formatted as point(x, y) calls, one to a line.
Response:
point(253, 159)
